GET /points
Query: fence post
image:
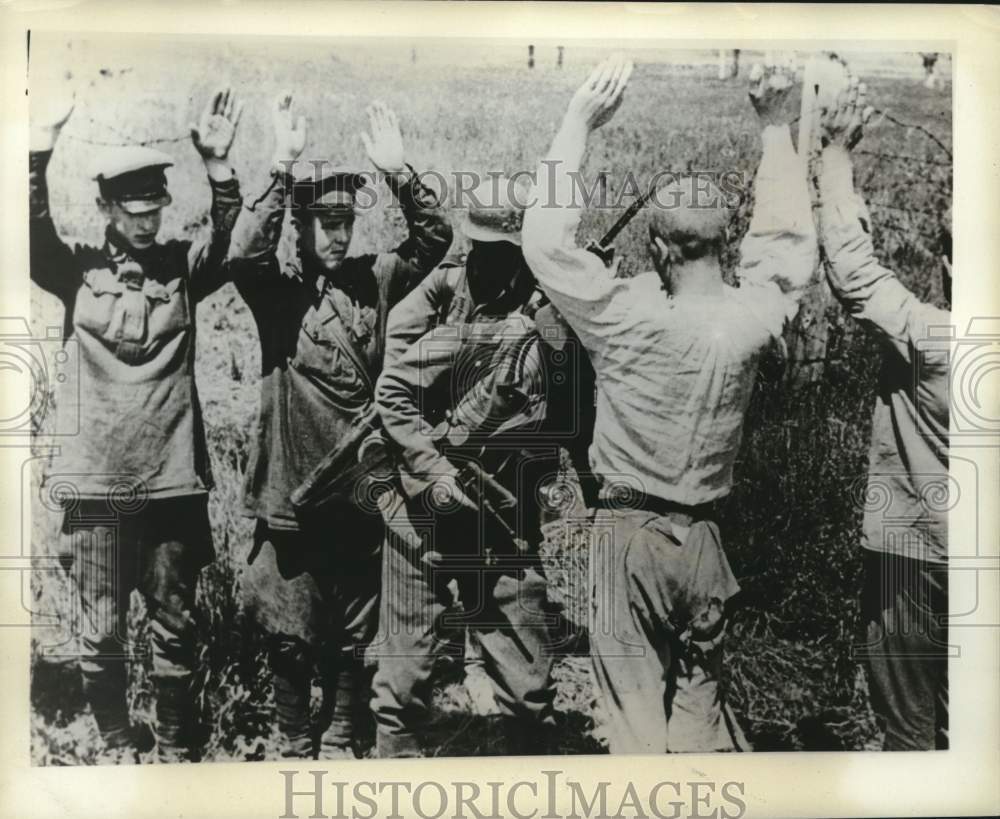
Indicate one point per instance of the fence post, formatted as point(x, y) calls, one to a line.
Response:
point(531, 56)
point(559, 57)
point(809, 332)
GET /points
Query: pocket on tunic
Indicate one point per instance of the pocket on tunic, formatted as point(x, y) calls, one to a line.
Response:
point(318, 352)
point(103, 308)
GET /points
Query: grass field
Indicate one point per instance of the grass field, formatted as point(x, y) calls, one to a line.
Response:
point(791, 527)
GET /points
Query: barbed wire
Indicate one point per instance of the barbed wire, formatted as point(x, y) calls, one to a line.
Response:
point(143, 143)
point(901, 158)
point(927, 132)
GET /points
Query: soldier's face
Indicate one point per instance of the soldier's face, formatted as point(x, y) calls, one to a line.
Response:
point(328, 236)
point(496, 265)
point(137, 230)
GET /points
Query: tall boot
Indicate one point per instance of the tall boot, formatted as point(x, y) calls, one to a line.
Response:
point(104, 688)
point(345, 696)
point(291, 698)
point(175, 719)
point(397, 746)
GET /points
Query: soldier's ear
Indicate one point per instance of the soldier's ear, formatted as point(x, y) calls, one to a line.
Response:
point(104, 207)
point(659, 251)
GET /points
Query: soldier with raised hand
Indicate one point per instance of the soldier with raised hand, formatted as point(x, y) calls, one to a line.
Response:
point(136, 514)
point(675, 351)
point(905, 595)
point(312, 583)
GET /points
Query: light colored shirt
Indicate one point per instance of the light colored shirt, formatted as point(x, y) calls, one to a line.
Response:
point(908, 493)
point(675, 374)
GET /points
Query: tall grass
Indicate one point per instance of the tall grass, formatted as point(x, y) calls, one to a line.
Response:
point(791, 526)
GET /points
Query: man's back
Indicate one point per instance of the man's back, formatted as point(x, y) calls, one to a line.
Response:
point(675, 379)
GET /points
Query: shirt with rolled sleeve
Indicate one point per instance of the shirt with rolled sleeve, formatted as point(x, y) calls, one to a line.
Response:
point(908, 490)
point(311, 391)
point(130, 317)
point(480, 391)
point(675, 374)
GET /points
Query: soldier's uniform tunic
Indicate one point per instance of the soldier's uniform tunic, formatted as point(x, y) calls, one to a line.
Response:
point(443, 347)
point(137, 473)
point(313, 584)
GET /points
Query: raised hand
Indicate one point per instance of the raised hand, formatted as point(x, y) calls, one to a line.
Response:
point(385, 145)
point(51, 107)
point(844, 123)
point(289, 132)
point(770, 87)
point(214, 133)
point(601, 94)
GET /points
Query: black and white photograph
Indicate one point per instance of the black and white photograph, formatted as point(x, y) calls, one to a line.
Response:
point(396, 397)
point(565, 399)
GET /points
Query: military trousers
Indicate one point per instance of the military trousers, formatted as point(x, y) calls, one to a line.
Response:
point(504, 603)
point(658, 596)
point(313, 593)
point(905, 608)
point(157, 546)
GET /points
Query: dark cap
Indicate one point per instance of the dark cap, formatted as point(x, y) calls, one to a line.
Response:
point(134, 177)
point(327, 188)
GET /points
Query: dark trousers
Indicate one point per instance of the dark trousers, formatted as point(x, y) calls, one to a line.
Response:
point(158, 547)
point(314, 594)
point(905, 607)
point(505, 604)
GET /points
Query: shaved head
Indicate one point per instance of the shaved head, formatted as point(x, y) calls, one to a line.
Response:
point(690, 216)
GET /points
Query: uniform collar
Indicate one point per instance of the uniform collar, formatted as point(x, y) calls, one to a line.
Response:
point(343, 278)
point(117, 252)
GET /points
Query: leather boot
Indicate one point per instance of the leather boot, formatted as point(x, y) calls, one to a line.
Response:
point(175, 720)
point(342, 695)
point(397, 746)
point(292, 675)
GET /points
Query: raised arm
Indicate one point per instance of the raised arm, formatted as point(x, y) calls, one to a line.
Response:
point(53, 265)
point(576, 280)
point(213, 137)
point(254, 247)
point(779, 250)
point(429, 231)
point(871, 293)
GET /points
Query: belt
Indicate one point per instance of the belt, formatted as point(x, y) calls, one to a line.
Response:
point(679, 513)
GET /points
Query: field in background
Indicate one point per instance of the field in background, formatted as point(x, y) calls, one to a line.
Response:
point(791, 527)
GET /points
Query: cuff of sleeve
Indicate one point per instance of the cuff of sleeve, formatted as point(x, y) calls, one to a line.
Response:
point(225, 186)
point(407, 188)
point(415, 481)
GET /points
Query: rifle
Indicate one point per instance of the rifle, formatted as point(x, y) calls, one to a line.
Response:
point(494, 500)
point(604, 247)
point(344, 472)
